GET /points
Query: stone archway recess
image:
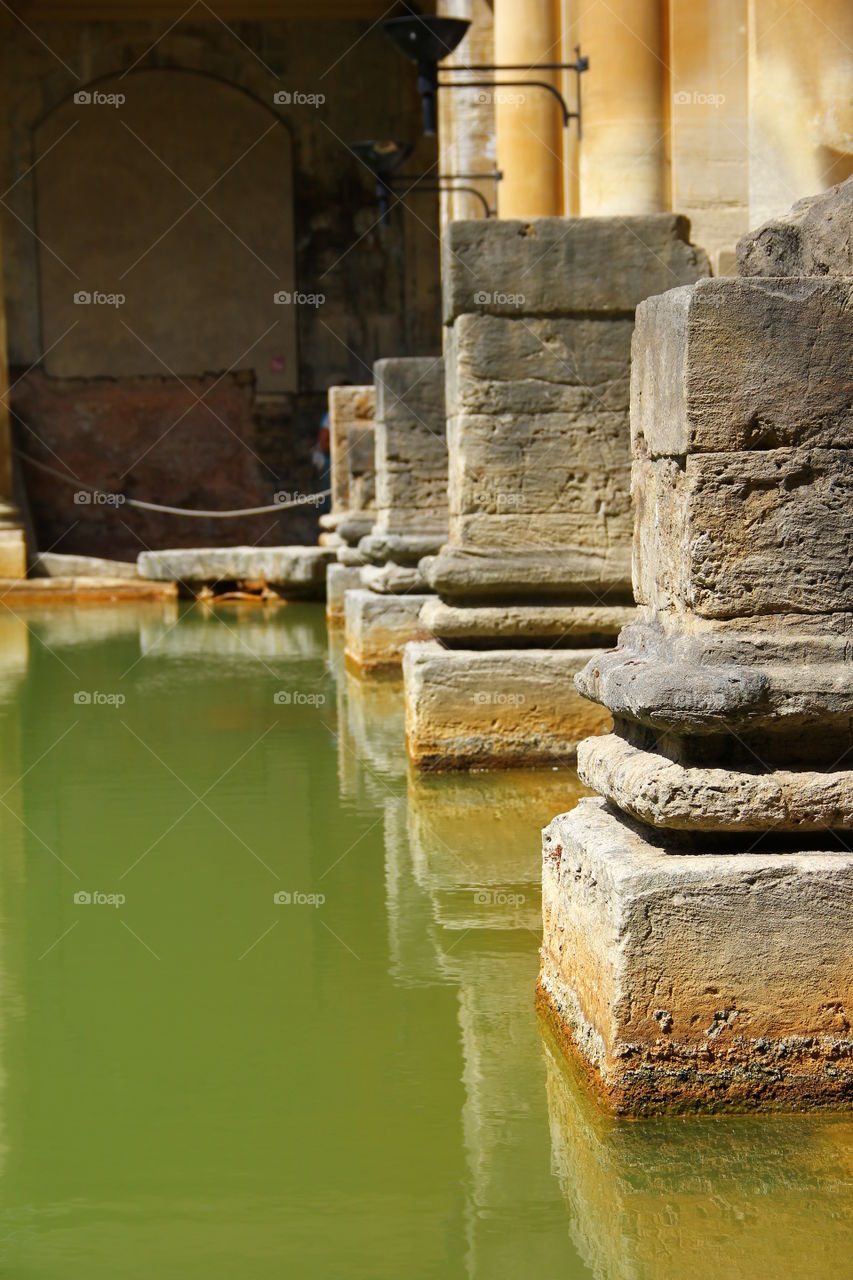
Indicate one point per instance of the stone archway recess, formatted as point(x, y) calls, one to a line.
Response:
point(120, 165)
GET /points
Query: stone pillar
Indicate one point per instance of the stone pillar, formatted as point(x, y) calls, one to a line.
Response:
point(800, 107)
point(536, 573)
point(708, 132)
point(13, 550)
point(528, 122)
point(466, 123)
point(411, 512)
point(698, 943)
point(623, 169)
point(352, 445)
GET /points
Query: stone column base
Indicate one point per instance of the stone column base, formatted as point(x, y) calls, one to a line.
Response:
point(340, 578)
point(697, 981)
point(504, 708)
point(13, 554)
point(378, 627)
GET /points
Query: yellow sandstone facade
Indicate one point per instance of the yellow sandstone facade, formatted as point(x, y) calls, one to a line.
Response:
point(725, 110)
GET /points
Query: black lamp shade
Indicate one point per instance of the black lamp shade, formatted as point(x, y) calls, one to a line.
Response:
point(426, 39)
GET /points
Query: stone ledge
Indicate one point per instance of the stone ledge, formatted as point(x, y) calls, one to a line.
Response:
point(301, 570)
point(400, 548)
point(379, 627)
point(392, 579)
point(564, 265)
point(531, 625)
point(566, 572)
point(657, 791)
point(702, 683)
point(697, 982)
point(495, 708)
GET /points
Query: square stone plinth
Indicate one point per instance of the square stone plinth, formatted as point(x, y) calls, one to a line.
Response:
point(294, 571)
point(495, 708)
point(340, 578)
point(378, 627)
point(742, 427)
point(697, 980)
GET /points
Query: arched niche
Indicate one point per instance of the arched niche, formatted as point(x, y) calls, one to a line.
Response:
point(117, 178)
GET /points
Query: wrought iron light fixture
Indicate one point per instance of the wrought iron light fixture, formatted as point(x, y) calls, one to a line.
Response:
point(427, 41)
point(383, 159)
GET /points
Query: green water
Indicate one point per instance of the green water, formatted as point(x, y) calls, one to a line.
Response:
point(202, 1081)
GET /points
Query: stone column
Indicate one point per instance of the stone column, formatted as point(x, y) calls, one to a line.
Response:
point(800, 106)
point(466, 123)
point(623, 154)
point(698, 940)
point(411, 511)
point(528, 122)
point(708, 129)
point(352, 444)
point(536, 573)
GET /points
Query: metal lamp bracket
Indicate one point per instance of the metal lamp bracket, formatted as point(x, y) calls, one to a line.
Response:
point(579, 66)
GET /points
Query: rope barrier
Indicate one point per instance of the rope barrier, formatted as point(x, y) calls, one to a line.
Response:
point(305, 500)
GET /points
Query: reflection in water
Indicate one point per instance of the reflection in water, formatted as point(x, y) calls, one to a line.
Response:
point(717, 1198)
point(474, 858)
point(208, 1084)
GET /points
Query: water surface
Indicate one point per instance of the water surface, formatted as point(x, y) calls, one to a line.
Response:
point(198, 1079)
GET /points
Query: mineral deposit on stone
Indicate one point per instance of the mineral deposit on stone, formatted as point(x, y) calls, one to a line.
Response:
point(698, 937)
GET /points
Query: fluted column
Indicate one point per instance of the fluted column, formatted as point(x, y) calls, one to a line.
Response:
point(623, 156)
point(528, 120)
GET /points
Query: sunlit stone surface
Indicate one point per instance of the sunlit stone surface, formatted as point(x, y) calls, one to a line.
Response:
point(537, 568)
point(353, 467)
point(698, 940)
point(411, 512)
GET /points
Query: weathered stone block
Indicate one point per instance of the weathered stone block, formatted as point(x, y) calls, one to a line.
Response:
point(663, 793)
point(748, 365)
point(340, 578)
point(351, 442)
point(734, 534)
point(411, 445)
point(556, 266)
point(494, 708)
point(814, 238)
point(533, 364)
point(684, 981)
point(524, 624)
point(378, 627)
point(300, 571)
point(585, 574)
